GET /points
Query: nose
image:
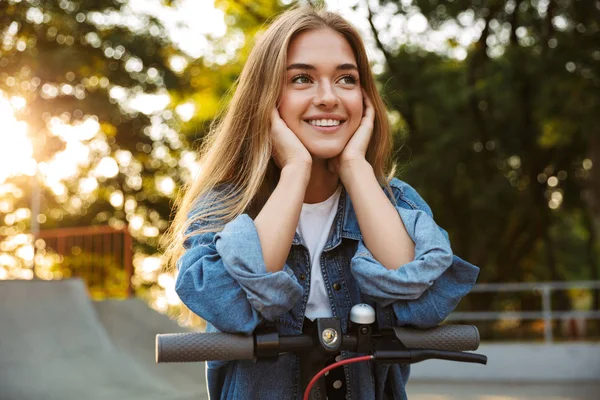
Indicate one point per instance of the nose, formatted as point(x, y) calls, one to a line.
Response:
point(325, 96)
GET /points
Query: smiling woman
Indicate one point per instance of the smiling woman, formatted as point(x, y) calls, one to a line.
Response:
point(295, 215)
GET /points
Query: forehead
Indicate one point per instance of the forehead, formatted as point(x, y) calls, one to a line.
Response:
point(320, 47)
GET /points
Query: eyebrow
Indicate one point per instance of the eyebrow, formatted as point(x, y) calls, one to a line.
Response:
point(341, 67)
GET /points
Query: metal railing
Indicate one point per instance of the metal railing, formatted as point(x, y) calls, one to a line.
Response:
point(544, 289)
point(95, 248)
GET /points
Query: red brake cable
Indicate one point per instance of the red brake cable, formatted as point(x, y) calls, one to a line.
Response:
point(329, 368)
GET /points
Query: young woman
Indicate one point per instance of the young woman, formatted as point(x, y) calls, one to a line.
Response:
point(294, 216)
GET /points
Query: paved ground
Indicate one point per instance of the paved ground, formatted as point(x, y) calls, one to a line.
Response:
point(502, 391)
point(520, 362)
point(132, 326)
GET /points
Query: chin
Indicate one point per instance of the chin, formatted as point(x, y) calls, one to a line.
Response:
point(324, 154)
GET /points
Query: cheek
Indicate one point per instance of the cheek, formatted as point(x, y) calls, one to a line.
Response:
point(288, 109)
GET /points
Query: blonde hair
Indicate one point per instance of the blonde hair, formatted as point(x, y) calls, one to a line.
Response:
point(237, 150)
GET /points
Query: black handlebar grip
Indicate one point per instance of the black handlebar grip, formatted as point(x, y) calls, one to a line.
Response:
point(445, 337)
point(193, 347)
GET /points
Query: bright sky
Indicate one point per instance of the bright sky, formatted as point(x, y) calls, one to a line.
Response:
point(188, 22)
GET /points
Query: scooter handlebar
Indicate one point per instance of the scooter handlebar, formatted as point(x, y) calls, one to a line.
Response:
point(445, 337)
point(194, 347)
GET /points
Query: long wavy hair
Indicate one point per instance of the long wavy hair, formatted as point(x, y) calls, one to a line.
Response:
point(236, 153)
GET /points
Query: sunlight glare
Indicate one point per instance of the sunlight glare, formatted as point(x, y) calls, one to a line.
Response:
point(149, 104)
point(88, 185)
point(123, 157)
point(64, 164)
point(186, 111)
point(165, 185)
point(177, 63)
point(18, 103)
point(116, 199)
point(78, 132)
point(417, 23)
point(167, 282)
point(150, 231)
point(150, 264)
point(25, 252)
point(136, 222)
point(107, 168)
point(16, 151)
point(7, 260)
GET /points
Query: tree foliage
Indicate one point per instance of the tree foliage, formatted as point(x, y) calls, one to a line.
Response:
point(498, 133)
point(501, 139)
point(73, 62)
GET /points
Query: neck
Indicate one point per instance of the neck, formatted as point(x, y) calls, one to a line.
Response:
point(322, 184)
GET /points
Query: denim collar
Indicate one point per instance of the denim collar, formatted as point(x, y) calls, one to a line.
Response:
point(345, 224)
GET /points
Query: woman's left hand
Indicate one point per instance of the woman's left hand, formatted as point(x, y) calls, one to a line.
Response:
point(356, 148)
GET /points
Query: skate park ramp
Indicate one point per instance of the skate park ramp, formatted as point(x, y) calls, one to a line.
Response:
point(56, 344)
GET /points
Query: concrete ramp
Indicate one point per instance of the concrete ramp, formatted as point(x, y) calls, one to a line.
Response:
point(54, 346)
point(132, 327)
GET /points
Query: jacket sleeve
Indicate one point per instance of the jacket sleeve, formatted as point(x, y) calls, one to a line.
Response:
point(434, 306)
point(433, 255)
point(222, 278)
point(437, 302)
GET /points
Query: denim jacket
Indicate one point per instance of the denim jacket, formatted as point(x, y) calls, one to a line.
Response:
point(222, 278)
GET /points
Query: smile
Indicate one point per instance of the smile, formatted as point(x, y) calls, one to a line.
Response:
point(324, 122)
point(325, 125)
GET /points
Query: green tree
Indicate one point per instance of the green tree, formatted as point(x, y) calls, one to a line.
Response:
point(500, 139)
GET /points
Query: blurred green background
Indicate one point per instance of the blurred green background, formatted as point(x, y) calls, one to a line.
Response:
point(495, 105)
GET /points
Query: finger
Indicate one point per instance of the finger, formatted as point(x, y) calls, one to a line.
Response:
point(369, 109)
point(367, 121)
point(275, 115)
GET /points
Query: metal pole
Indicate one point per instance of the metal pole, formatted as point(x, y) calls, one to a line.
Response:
point(547, 312)
point(35, 206)
point(35, 211)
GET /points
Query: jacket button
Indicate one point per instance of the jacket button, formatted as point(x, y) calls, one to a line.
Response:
point(337, 286)
point(302, 277)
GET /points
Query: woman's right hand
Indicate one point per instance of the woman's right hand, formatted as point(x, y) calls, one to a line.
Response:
point(287, 148)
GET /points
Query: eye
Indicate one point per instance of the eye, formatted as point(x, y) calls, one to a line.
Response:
point(348, 80)
point(301, 79)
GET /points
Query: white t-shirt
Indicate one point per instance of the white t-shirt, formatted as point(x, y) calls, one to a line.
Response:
point(314, 227)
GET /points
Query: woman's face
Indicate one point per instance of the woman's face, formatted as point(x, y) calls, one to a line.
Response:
point(322, 99)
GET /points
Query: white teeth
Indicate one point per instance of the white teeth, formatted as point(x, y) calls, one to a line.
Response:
point(324, 122)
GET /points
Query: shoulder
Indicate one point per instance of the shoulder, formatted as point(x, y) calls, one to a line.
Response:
point(407, 197)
